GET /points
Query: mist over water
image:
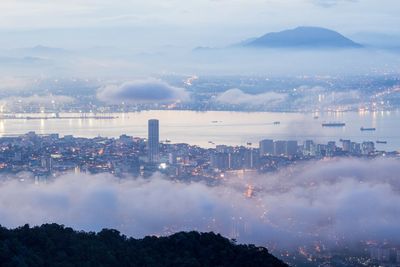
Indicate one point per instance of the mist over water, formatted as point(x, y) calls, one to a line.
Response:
point(339, 201)
point(112, 63)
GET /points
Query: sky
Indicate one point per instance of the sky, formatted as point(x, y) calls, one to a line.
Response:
point(121, 37)
point(197, 22)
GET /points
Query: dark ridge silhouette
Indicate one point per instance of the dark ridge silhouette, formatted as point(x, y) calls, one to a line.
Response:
point(303, 37)
point(55, 245)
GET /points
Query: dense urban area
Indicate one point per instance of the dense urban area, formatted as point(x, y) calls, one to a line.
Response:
point(46, 157)
point(371, 92)
point(51, 155)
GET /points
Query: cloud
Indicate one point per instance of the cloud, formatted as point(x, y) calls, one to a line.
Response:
point(330, 3)
point(138, 207)
point(332, 202)
point(144, 91)
point(238, 97)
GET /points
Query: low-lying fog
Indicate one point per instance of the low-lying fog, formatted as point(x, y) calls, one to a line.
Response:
point(335, 201)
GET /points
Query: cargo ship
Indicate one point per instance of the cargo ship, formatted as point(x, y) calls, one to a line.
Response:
point(381, 142)
point(367, 129)
point(333, 124)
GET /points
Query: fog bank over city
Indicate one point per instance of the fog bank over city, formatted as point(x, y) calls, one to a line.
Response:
point(335, 202)
point(114, 63)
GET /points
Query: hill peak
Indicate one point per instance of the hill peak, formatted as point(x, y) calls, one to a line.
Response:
point(304, 37)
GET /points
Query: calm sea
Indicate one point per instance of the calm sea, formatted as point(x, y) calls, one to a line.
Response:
point(218, 127)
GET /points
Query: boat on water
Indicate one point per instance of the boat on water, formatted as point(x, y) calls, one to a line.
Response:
point(381, 142)
point(277, 122)
point(333, 124)
point(367, 129)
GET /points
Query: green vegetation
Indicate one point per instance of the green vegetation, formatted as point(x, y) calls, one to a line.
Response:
point(54, 245)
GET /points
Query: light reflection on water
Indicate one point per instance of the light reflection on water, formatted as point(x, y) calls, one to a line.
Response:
point(232, 128)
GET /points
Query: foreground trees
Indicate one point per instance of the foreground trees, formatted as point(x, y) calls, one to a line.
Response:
point(58, 246)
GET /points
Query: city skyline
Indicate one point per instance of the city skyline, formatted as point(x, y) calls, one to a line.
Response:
point(245, 175)
point(241, 133)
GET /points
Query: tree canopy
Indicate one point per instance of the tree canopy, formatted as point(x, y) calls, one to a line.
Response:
point(58, 246)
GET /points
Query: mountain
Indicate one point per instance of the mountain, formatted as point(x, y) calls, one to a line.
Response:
point(303, 37)
point(41, 50)
point(56, 245)
point(246, 42)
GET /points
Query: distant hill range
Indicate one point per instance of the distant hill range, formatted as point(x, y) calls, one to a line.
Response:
point(41, 50)
point(302, 37)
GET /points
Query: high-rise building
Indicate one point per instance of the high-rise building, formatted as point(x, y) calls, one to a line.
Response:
point(153, 141)
point(224, 149)
point(279, 148)
point(266, 147)
point(47, 163)
point(380, 254)
point(367, 147)
point(235, 161)
point(331, 148)
point(251, 158)
point(321, 150)
point(308, 148)
point(220, 161)
point(355, 148)
point(346, 145)
point(291, 148)
point(172, 158)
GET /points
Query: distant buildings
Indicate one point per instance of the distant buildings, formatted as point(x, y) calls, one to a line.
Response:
point(251, 158)
point(234, 158)
point(309, 148)
point(380, 254)
point(279, 148)
point(346, 145)
point(47, 163)
point(385, 255)
point(153, 141)
point(367, 148)
point(291, 148)
point(270, 147)
point(220, 161)
point(266, 147)
point(52, 155)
